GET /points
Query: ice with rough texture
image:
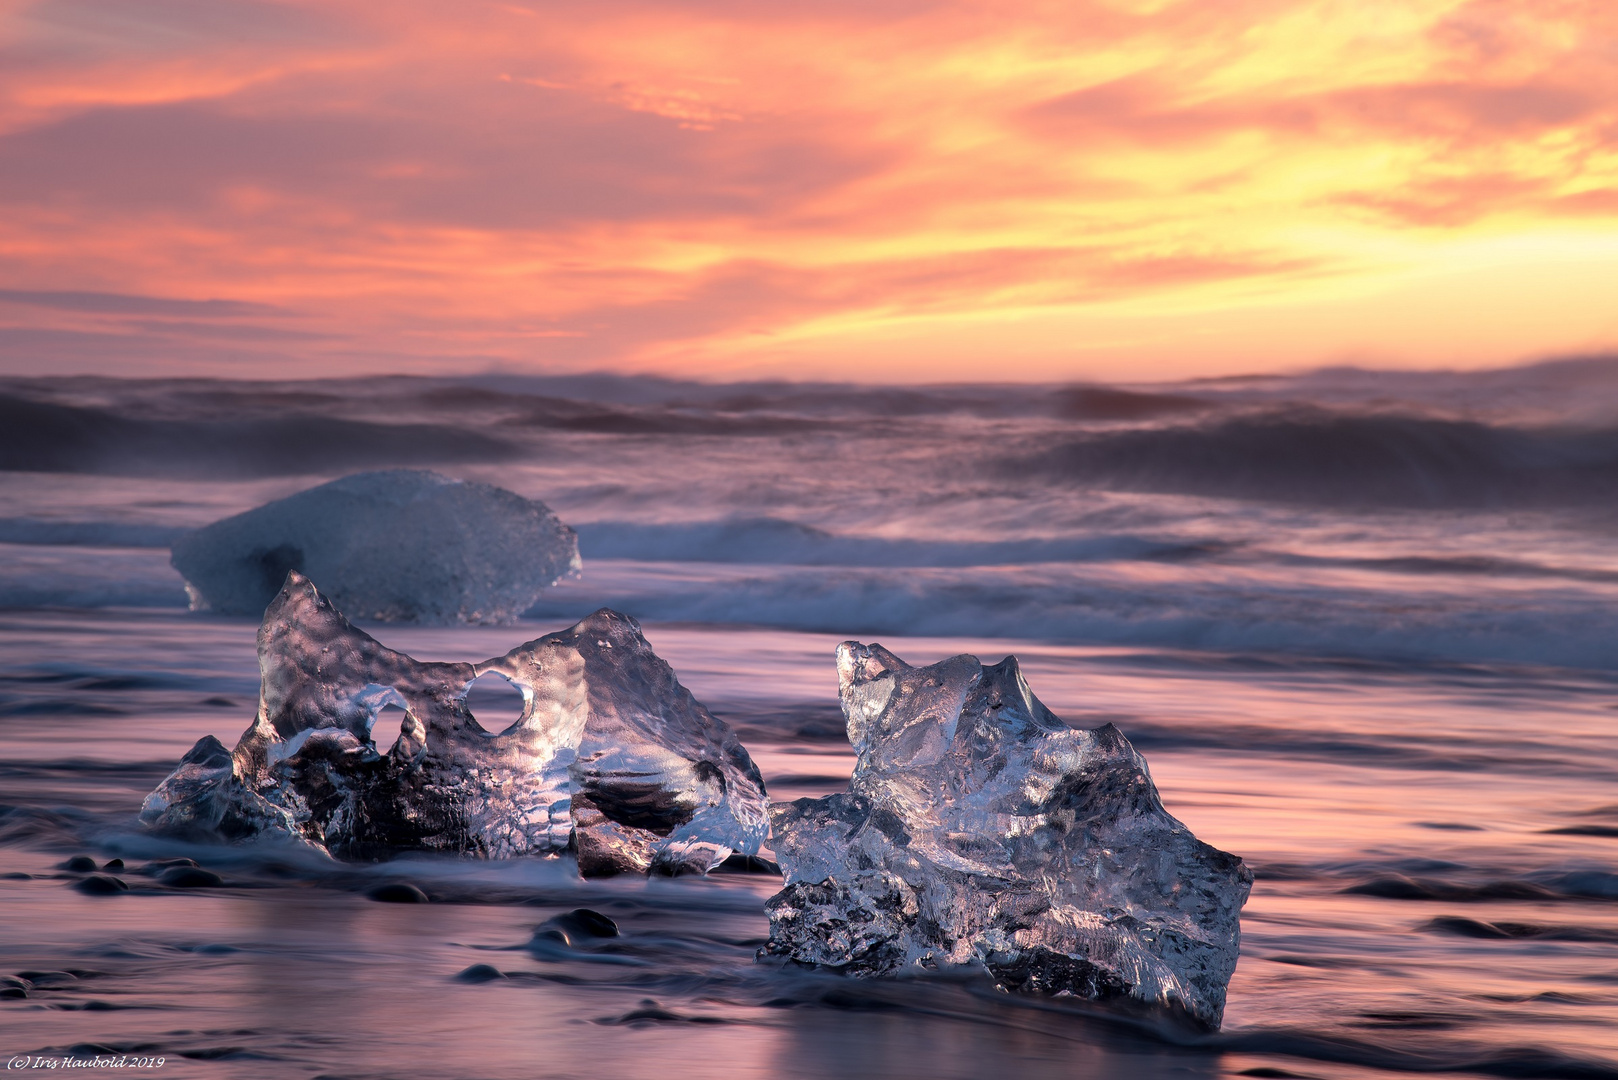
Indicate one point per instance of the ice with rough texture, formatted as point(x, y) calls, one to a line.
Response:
point(981, 832)
point(611, 755)
point(403, 545)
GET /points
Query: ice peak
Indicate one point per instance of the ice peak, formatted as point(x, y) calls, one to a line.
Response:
point(981, 831)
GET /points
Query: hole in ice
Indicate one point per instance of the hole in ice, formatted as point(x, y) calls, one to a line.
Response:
point(385, 728)
point(494, 701)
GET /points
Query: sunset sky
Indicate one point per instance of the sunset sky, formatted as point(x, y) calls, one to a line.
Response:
point(897, 191)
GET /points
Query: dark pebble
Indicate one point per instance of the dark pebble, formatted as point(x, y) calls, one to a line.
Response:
point(101, 885)
point(12, 992)
point(160, 865)
point(398, 892)
point(190, 877)
point(480, 973)
point(651, 1012)
point(80, 864)
point(14, 982)
point(591, 923)
point(578, 924)
point(114, 865)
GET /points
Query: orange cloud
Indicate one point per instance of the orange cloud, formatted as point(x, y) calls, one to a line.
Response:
point(1094, 188)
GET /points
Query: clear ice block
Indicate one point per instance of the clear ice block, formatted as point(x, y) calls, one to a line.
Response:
point(981, 832)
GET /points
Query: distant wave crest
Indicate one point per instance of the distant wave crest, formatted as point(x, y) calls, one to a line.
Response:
point(40, 436)
point(1316, 455)
point(772, 541)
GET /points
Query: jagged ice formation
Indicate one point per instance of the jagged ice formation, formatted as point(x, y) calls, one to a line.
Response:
point(611, 756)
point(979, 831)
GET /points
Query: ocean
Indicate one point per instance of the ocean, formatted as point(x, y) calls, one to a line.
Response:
point(1358, 622)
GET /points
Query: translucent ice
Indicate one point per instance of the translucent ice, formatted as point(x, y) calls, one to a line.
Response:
point(981, 832)
point(611, 755)
point(398, 546)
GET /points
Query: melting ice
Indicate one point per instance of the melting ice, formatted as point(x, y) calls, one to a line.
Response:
point(981, 832)
point(404, 545)
point(611, 756)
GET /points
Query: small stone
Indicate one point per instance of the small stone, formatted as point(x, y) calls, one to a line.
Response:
point(480, 973)
point(189, 877)
point(580, 924)
point(167, 864)
point(101, 885)
point(398, 892)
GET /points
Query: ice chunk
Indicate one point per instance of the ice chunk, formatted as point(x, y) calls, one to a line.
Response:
point(398, 546)
point(981, 832)
point(611, 755)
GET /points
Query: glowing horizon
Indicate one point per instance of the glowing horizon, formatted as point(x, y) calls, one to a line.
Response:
point(1114, 189)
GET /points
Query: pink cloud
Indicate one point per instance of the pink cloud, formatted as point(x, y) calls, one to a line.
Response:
point(196, 182)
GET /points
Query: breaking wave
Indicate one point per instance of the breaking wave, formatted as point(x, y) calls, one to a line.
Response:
point(39, 436)
point(772, 541)
point(88, 533)
point(1102, 607)
point(1320, 456)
